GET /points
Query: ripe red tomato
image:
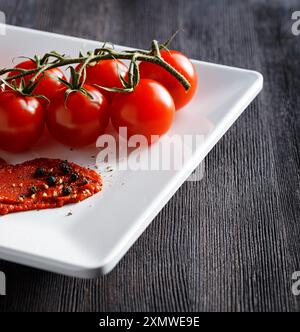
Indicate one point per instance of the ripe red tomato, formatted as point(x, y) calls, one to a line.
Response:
point(78, 120)
point(147, 111)
point(22, 120)
point(183, 65)
point(106, 73)
point(48, 85)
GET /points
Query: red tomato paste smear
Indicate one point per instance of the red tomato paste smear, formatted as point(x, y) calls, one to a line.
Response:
point(45, 183)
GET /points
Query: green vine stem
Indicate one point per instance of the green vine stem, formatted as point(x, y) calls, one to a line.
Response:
point(104, 53)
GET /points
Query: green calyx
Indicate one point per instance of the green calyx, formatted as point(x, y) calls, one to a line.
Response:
point(24, 89)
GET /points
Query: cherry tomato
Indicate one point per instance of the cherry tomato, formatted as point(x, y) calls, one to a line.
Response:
point(183, 65)
point(106, 73)
point(48, 85)
point(22, 120)
point(147, 111)
point(80, 119)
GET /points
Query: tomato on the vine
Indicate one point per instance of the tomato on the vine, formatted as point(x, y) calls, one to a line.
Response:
point(78, 119)
point(184, 66)
point(22, 121)
point(106, 73)
point(148, 111)
point(49, 83)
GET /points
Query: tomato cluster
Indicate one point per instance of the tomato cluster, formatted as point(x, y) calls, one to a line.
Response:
point(80, 118)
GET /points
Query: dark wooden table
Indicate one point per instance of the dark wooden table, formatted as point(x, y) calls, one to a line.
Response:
point(232, 241)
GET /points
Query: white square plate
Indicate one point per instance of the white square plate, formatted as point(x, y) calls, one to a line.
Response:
point(103, 228)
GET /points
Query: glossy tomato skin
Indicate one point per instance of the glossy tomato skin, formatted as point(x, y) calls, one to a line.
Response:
point(22, 121)
point(183, 65)
point(106, 73)
point(48, 85)
point(148, 111)
point(78, 120)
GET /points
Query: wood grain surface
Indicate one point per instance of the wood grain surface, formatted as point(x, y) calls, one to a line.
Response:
point(232, 241)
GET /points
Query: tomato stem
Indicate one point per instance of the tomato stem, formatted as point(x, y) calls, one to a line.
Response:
point(103, 53)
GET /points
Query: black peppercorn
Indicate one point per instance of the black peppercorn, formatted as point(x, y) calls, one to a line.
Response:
point(67, 191)
point(74, 177)
point(65, 167)
point(84, 182)
point(32, 190)
point(40, 172)
point(51, 181)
